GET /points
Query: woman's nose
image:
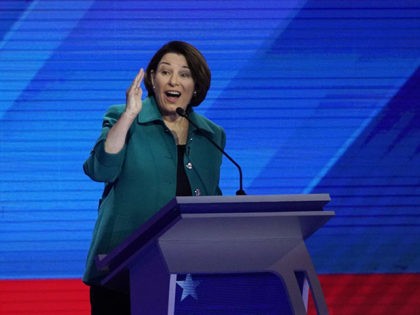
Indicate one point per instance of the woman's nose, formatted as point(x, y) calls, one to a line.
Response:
point(173, 79)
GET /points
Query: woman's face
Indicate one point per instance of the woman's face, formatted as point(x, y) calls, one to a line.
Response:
point(173, 83)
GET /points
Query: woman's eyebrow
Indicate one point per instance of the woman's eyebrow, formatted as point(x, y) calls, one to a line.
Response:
point(169, 64)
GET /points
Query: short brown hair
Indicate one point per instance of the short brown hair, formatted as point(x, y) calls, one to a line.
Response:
point(196, 62)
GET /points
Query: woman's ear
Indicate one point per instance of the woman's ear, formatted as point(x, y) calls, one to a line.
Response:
point(152, 78)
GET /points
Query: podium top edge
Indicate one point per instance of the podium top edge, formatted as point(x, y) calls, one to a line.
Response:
point(254, 198)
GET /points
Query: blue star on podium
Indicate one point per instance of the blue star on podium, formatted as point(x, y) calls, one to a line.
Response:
point(188, 287)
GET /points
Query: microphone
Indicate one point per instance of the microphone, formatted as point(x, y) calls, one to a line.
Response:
point(182, 113)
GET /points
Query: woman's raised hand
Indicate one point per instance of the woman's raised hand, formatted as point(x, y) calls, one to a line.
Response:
point(133, 95)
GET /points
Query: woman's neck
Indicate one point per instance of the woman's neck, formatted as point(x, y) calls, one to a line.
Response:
point(179, 128)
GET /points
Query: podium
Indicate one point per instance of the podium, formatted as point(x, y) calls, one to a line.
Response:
point(219, 235)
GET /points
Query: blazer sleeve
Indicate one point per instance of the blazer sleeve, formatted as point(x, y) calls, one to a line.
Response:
point(101, 166)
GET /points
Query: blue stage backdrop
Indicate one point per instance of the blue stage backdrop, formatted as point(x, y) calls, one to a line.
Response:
point(315, 96)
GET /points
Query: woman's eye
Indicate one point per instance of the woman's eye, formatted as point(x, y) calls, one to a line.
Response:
point(185, 75)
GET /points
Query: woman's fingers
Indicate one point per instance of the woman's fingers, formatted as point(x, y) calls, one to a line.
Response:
point(137, 80)
point(133, 95)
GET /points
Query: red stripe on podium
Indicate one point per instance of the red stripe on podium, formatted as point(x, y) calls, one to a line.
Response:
point(370, 294)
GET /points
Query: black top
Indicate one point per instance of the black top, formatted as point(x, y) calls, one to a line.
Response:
point(183, 187)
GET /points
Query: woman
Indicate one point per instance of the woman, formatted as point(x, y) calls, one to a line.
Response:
point(147, 154)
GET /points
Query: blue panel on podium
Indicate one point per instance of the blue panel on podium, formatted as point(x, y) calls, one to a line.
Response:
point(231, 294)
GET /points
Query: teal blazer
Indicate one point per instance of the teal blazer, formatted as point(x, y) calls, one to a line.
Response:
point(141, 178)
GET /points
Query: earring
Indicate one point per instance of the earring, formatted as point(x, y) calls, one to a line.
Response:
point(195, 93)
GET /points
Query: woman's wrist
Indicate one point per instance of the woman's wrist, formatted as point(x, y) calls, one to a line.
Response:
point(129, 115)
